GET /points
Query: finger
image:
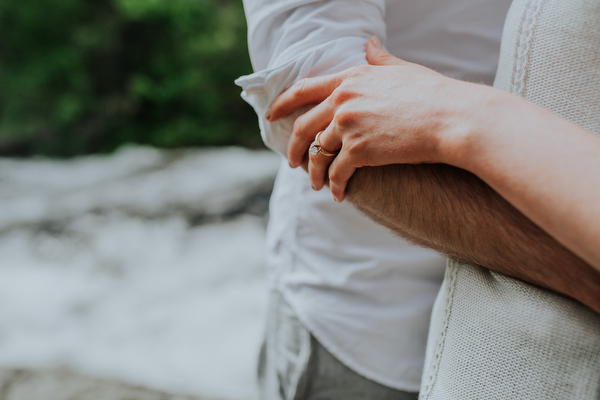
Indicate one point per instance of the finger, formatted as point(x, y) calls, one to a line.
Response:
point(331, 139)
point(306, 128)
point(304, 164)
point(302, 93)
point(317, 169)
point(319, 163)
point(376, 55)
point(340, 171)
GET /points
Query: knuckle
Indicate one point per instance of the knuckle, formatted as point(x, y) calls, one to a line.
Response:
point(335, 176)
point(356, 147)
point(343, 94)
point(299, 88)
point(298, 127)
point(345, 118)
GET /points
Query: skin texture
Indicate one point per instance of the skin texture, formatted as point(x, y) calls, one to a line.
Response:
point(362, 110)
point(401, 113)
point(452, 211)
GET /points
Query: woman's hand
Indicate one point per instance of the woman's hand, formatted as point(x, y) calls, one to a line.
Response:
point(389, 112)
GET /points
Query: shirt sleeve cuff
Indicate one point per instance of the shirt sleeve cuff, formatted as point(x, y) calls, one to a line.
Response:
point(262, 87)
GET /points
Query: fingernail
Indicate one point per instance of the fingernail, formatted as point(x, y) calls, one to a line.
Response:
point(313, 187)
point(376, 42)
point(290, 164)
point(268, 115)
point(336, 200)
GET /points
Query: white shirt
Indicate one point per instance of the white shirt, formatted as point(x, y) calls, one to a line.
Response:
point(364, 293)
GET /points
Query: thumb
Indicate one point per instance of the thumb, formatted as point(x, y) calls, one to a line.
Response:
point(376, 55)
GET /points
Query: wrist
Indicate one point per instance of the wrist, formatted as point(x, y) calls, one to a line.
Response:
point(475, 117)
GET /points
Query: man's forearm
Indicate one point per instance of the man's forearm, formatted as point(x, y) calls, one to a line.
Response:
point(452, 211)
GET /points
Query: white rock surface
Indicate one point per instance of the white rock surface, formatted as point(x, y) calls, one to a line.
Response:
point(122, 267)
point(63, 384)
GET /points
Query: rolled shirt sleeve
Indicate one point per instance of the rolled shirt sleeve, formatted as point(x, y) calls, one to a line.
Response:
point(291, 40)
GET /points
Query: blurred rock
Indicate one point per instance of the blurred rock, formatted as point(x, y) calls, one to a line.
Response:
point(143, 266)
point(63, 384)
point(138, 181)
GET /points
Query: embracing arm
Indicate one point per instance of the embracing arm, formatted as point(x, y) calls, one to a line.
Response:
point(545, 166)
point(404, 113)
point(454, 212)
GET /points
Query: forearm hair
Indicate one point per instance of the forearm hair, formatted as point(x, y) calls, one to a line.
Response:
point(455, 213)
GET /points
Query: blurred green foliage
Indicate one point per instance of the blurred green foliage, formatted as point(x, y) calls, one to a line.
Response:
point(84, 76)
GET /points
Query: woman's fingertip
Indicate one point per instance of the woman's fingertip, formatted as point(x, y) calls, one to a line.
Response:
point(294, 163)
point(268, 115)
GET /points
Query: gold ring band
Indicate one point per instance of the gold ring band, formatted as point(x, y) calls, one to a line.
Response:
point(316, 148)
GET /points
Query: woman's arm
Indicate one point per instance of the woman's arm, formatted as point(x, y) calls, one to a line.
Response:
point(544, 165)
point(404, 113)
point(408, 114)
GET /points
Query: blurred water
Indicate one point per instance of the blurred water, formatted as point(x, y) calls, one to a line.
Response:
point(144, 266)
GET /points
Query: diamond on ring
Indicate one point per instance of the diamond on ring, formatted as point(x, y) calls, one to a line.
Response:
point(314, 149)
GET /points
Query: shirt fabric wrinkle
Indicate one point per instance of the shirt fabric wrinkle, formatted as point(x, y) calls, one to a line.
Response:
point(365, 294)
